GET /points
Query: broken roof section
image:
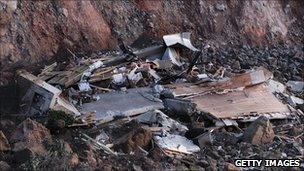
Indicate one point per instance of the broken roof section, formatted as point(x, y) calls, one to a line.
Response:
point(122, 104)
point(235, 98)
point(231, 105)
point(182, 39)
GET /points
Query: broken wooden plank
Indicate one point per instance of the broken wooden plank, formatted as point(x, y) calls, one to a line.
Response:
point(247, 79)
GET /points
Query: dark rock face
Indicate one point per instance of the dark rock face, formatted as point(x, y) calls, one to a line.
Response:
point(34, 32)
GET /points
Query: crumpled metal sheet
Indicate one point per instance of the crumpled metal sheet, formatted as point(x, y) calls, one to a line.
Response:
point(180, 38)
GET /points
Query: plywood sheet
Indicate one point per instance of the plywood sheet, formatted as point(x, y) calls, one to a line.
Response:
point(256, 99)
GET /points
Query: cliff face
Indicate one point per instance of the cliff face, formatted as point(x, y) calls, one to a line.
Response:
point(34, 31)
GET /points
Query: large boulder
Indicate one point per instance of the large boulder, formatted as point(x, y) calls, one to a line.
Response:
point(259, 132)
point(4, 144)
point(30, 136)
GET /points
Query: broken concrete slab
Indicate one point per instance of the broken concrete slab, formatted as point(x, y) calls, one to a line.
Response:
point(162, 120)
point(122, 104)
point(182, 39)
point(175, 144)
point(259, 132)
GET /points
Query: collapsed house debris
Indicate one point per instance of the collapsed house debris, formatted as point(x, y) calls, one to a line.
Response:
point(37, 96)
point(172, 99)
point(238, 97)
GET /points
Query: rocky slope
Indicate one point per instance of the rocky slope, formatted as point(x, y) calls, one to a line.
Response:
point(35, 32)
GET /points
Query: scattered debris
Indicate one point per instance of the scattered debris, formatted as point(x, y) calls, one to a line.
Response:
point(160, 101)
point(97, 144)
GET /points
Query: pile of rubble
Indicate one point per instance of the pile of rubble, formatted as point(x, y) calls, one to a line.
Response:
point(154, 108)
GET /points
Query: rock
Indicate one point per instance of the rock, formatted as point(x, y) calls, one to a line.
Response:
point(74, 160)
point(90, 158)
point(4, 144)
point(231, 167)
point(30, 135)
point(205, 139)
point(138, 137)
point(259, 132)
point(67, 148)
point(212, 165)
point(4, 166)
